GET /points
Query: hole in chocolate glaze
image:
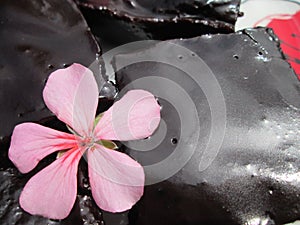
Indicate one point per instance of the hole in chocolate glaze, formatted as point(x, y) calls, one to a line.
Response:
point(235, 56)
point(271, 190)
point(180, 57)
point(240, 14)
point(260, 53)
point(174, 141)
point(158, 101)
point(65, 65)
point(50, 66)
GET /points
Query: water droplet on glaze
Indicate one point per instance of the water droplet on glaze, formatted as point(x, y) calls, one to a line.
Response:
point(108, 91)
point(262, 58)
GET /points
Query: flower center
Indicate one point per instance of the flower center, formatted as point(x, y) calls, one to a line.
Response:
point(87, 142)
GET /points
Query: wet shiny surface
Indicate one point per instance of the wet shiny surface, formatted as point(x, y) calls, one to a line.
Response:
point(254, 178)
point(224, 10)
point(155, 19)
point(37, 37)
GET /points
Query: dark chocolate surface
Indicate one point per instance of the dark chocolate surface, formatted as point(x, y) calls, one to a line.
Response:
point(122, 21)
point(254, 177)
point(37, 37)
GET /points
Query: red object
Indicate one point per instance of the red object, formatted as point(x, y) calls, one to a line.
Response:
point(288, 31)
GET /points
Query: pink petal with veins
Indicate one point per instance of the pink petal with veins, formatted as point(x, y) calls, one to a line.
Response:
point(117, 181)
point(31, 142)
point(135, 116)
point(52, 192)
point(72, 95)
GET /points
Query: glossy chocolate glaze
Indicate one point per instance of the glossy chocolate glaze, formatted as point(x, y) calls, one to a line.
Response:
point(254, 178)
point(222, 10)
point(37, 37)
point(155, 19)
point(255, 175)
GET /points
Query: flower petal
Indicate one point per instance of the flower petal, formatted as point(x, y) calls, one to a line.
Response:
point(117, 181)
point(72, 95)
point(31, 142)
point(52, 192)
point(135, 116)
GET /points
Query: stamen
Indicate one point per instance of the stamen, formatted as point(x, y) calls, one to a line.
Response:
point(87, 142)
point(73, 131)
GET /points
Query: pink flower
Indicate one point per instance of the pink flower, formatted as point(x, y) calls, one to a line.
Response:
point(117, 181)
